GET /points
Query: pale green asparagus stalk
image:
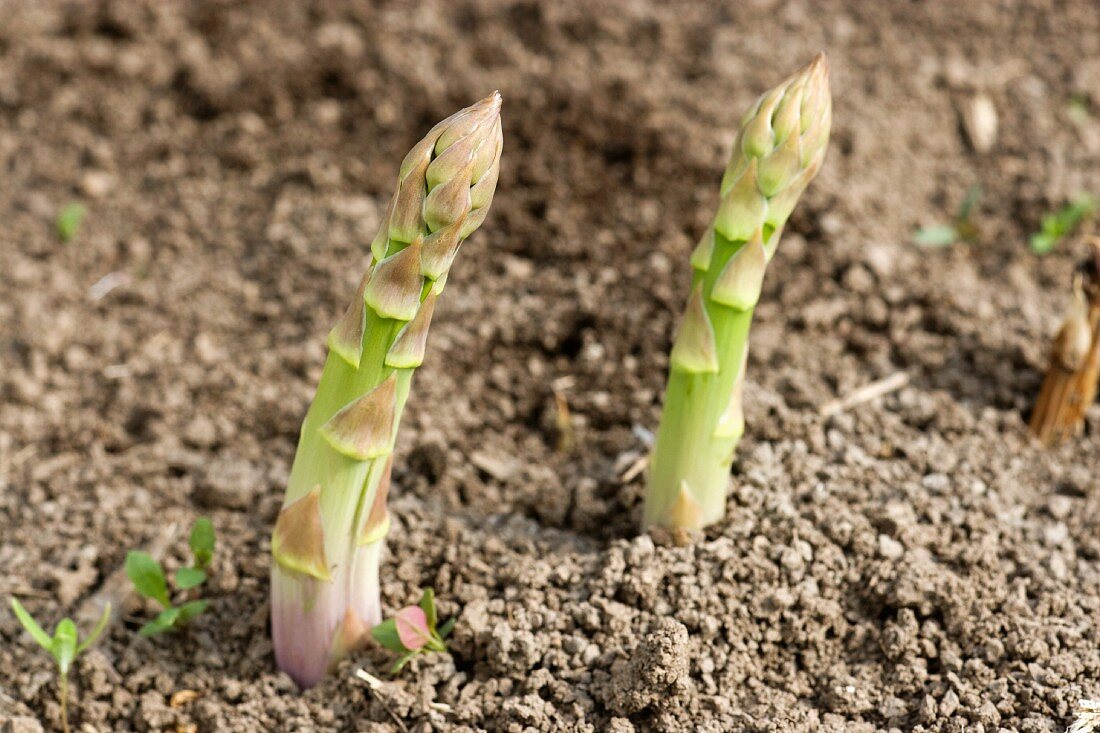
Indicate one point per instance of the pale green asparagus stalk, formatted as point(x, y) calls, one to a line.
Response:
point(328, 538)
point(778, 151)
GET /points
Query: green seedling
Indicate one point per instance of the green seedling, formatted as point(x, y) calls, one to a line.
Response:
point(1059, 224)
point(413, 631)
point(69, 220)
point(64, 646)
point(962, 229)
point(1078, 109)
point(149, 580)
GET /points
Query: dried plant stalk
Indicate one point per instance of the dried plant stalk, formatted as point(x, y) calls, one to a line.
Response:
point(1071, 379)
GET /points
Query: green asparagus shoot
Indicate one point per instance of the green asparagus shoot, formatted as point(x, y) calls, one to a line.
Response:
point(779, 149)
point(962, 229)
point(69, 220)
point(149, 580)
point(63, 646)
point(413, 631)
point(328, 539)
point(1059, 224)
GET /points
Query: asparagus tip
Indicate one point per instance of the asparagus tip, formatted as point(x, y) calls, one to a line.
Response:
point(491, 103)
point(819, 64)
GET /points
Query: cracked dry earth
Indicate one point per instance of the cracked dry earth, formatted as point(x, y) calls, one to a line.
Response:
point(913, 564)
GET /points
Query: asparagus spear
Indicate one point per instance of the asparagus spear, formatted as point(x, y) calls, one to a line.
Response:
point(1070, 384)
point(778, 150)
point(328, 538)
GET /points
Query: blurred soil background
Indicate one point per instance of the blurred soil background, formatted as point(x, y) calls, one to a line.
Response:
point(912, 564)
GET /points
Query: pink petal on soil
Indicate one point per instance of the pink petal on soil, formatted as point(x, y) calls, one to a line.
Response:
point(412, 627)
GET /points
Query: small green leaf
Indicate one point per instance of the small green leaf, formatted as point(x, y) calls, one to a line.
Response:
point(64, 644)
point(1041, 244)
point(940, 235)
point(202, 542)
point(447, 627)
point(164, 621)
point(1058, 224)
point(385, 634)
point(147, 576)
point(190, 611)
point(97, 631)
point(1078, 109)
point(427, 605)
point(37, 632)
point(402, 661)
point(187, 578)
point(69, 219)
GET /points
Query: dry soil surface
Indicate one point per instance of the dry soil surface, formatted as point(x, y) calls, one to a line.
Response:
point(914, 563)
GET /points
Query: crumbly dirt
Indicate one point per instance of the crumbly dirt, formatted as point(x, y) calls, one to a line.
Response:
point(912, 564)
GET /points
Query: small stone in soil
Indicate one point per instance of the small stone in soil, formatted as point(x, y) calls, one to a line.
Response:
point(229, 483)
point(501, 469)
point(21, 725)
point(429, 460)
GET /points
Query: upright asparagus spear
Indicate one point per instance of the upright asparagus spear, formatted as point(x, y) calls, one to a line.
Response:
point(1070, 384)
point(328, 538)
point(778, 151)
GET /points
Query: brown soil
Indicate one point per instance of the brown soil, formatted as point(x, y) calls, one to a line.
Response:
point(912, 564)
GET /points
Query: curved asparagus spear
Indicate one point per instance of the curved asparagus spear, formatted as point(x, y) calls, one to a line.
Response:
point(779, 149)
point(328, 538)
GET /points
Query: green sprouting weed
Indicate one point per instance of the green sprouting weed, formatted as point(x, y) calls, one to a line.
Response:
point(1078, 109)
point(64, 646)
point(937, 235)
point(188, 578)
point(413, 631)
point(174, 617)
point(69, 219)
point(149, 580)
point(202, 542)
point(1056, 225)
point(147, 576)
point(962, 229)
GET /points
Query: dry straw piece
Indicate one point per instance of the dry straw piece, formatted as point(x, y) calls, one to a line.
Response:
point(1069, 387)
